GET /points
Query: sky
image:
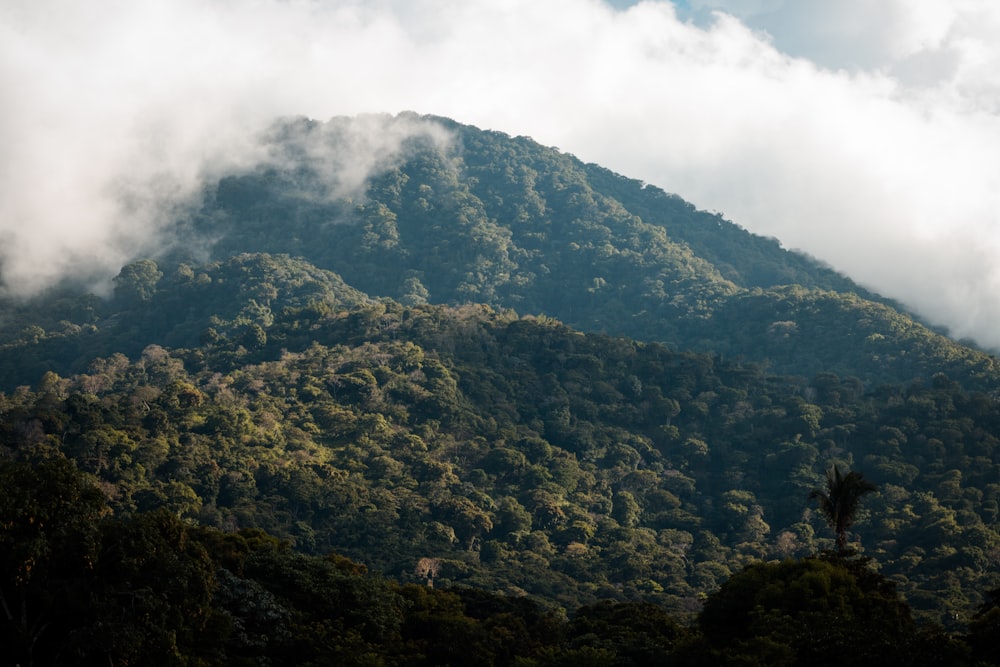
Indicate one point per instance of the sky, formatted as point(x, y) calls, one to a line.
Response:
point(863, 132)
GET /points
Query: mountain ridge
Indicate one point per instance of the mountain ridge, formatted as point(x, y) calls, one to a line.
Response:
point(429, 363)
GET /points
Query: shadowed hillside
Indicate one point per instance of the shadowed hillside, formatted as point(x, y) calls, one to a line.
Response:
point(480, 362)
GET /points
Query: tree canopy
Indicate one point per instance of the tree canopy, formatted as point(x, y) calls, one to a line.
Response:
point(491, 368)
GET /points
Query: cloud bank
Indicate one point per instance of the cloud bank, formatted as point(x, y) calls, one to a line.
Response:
point(865, 133)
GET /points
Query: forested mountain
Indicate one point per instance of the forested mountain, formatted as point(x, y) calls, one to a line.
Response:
point(489, 365)
point(522, 455)
point(491, 219)
point(480, 217)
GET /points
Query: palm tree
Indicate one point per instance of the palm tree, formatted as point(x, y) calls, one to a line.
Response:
point(839, 503)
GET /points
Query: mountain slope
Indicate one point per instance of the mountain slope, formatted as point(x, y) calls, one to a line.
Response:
point(519, 454)
point(182, 307)
point(492, 219)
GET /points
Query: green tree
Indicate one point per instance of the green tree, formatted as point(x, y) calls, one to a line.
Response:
point(815, 611)
point(137, 282)
point(634, 633)
point(839, 502)
point(152, 593)
point(984, 630)
point(49, 542)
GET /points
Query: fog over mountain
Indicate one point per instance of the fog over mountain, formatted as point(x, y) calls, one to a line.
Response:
point(866, 135)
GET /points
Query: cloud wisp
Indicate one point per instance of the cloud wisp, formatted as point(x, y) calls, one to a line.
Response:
point(884, 166)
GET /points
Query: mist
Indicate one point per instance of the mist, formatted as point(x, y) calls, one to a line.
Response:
point(870, 145)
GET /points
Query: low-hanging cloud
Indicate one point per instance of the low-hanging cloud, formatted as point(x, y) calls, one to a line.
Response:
point(345, 152)
point(885, 166)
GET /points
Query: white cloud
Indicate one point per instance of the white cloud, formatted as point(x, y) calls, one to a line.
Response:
point(864, 133)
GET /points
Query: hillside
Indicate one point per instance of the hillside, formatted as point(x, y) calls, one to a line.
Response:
point(487, 218)
point(155, 589)
point(522, 455)
point(540, 377)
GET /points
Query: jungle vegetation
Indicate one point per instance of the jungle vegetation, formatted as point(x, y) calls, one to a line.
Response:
point(491, 387)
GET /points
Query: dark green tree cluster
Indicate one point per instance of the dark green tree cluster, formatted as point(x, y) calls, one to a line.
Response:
point(521, 455)
point(84, 587)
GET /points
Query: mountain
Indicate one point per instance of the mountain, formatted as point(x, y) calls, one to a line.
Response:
point(491, 219)
point(451, 214)
point(479, 361)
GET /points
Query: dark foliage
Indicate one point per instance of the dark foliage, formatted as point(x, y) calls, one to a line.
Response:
point(471, 448)
point(153, 590)
point(522, 456)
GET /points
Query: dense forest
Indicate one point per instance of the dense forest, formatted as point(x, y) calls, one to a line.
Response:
point(84, 587)
point(493, 397)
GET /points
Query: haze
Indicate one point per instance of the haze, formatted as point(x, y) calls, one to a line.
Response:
point(866, 133)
